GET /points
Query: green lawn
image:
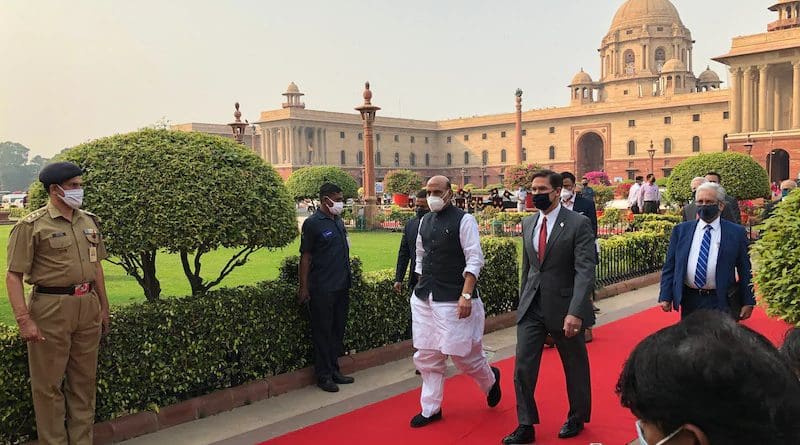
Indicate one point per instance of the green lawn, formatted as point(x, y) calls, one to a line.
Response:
point(377, 250)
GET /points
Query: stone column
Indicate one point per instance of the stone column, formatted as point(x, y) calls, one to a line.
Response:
point(776, 103)
point(796, 95)
point(747, 100)
point(736, 100)
point(284, 149)
point(266, 145)
point(690, 61)
point(763, 99)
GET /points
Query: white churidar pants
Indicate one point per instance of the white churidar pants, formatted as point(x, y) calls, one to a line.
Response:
point(438, 332)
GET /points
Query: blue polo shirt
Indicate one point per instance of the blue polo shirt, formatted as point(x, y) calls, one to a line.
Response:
point(325, 238)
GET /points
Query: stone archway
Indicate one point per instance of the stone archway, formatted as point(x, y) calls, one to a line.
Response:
point(590, 153)
point(778, 165)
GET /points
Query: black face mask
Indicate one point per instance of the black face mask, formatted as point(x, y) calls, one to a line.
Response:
point(708, 213)
point(421, 212)
point(542, 201)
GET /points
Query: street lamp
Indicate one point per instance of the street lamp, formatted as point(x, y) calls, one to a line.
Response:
point(463, 175)
point(749, 146)
point(483, 176)
point(237, 125)
point(652, 152)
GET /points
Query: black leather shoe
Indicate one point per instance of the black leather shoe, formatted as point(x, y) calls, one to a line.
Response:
point(570, 429)
point(341, 379)
point(493, 398)
point(524, 434)
point(327, 385)
point(419, 420)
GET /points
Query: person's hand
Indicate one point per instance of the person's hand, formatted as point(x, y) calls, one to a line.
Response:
point(398, 287)
point(105, 321)
point(572, 326)
point(464, 307)
point(303, 296)
point(28, 330)
point(746, 312)
point(666, 306)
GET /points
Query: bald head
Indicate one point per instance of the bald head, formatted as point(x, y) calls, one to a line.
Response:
point(439, 186)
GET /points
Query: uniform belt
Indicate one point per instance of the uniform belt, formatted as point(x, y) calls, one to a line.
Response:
point(701, 292)
point(78, 289)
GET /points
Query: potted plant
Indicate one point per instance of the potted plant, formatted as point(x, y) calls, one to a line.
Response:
point(401, 183)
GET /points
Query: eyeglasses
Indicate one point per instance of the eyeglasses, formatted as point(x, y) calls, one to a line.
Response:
point(643, 441)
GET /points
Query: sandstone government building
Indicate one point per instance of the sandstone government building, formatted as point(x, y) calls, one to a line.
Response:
point(647, 91)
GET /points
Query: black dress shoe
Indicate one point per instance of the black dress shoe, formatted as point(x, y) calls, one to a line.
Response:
point(570, 429)
point(341, 379)
point(419, 420)
point(524, 434)
point(327, 385)
point(493, 398)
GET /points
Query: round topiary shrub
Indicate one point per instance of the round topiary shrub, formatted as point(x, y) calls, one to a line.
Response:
point(406, 182)
point(742, 177)
point(305, 182)
point(521, 175)
point(777, 261)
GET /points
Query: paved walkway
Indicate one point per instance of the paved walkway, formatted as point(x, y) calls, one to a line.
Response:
point(276, 416)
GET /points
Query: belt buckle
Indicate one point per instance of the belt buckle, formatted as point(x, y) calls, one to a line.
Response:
point(81, 289)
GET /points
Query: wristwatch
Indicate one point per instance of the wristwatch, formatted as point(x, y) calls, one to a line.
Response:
point(467, 297)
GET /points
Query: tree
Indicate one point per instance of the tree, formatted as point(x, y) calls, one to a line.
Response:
point(742, 177)
point(15, 172)
point(184, 193)
point(305, 182)
point(406, 182)
point(521, 175)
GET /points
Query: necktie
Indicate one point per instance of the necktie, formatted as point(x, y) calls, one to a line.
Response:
point(542, 239)
point(702, 259)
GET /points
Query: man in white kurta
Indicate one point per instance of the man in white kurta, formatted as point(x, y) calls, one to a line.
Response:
point(447, 319)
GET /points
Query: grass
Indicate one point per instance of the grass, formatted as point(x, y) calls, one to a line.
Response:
point(377, 250)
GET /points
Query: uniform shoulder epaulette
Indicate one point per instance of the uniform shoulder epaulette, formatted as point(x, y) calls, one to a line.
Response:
point(91, 215)
point(34, 215)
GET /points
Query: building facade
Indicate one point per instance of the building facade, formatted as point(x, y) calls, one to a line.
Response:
point(646, 112)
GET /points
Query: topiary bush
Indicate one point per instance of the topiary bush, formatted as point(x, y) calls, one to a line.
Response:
point(602, 195)
point(406, 182)
point(742, 177)
point(520, 175)
point(640, 219)
point(611, 217)
point(305, 182)
point(776, 257)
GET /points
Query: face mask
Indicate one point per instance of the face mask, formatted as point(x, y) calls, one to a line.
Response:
point(566, 194)
point(436, 203)
point(542, 201)
point(336, 208)
point(643, 441)
point(708, 213)
point(72, 197)
point(585, 184)
point(421, 212)
point(784, 193)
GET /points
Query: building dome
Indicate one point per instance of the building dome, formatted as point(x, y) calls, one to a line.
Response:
point(582, 78)
point(708, 76)
point(637, 13)
point(292, 88)
point(674, 66)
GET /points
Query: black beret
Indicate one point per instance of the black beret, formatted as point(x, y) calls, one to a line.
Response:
point(58, 172)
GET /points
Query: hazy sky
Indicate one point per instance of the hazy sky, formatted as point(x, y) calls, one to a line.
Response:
point(81, 69)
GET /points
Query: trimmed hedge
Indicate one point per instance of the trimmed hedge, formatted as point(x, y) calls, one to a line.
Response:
point(742, 177)
point(640, 219)
point(163, 352)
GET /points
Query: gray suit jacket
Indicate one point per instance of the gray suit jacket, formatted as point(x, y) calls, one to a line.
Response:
point(565, 279)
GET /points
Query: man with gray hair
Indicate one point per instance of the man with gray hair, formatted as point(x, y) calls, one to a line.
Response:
point(786, 187)
point(690, 210)
point(700, 270)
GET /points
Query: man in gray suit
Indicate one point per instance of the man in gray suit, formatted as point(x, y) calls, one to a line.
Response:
point(689, 211)
point(558, 276)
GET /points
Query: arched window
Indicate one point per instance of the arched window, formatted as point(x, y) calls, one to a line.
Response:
point(378, 158)
point(503, 156)
point(449, 159)
point(484, 157)
point(412, 159)
point(669, 82)
point(661, 58)
point(631, 148)
point(427, 159)
point(524, 154)
point(360, 158)
point(342, 157)
point(630, 62)
point(696, 144)
point(667, 146)
point(466, 158)
point(396, 159)
point(551, 152)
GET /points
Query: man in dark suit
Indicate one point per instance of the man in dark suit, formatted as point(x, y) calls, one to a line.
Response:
point(703, 259)
point(576, 201)
point(558, 274)
point(689, 211)
point(407, 253)
point(731, 210)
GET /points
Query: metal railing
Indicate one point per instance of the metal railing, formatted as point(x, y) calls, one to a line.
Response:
point(626, 261)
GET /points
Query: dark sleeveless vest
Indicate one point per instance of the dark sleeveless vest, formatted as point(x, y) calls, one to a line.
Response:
point(444, 261)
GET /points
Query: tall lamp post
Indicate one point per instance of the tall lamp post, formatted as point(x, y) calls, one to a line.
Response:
point(237, 125)
point(368, 112)
point(652, 152)
point(463, 176)
point(483, 176)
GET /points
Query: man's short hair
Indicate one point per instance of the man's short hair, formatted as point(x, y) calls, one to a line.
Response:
point(422, 194)
point(568, 175)
point(788, 185)
point(718, 190)
point(698, 180)
point(713, 173)
point(328, 189)
point(791, 349)
point(556, 181)
point(640, 178)
point(722, 377)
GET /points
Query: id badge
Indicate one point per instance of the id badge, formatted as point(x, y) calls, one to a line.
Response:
point(92, 254)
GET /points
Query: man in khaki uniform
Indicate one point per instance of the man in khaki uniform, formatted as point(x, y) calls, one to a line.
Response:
point(58, 249)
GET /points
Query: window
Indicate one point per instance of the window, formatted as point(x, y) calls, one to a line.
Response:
point(503, 156)
point(426, 139)
point(360, 136)
point(502, 134)
point(524, 154)
point(466, 158)
point(396, 138)
point(483, 136)
point(412, 159)
point(667, 171)
point(631, 174)
point(552, 152)
point(449, 159)
point(342, 157)
point(501, 179)
point(695, 118)
point(625, 92)
point(449, 139)
point(667, 146)
point(427, 159)
point(629, 32)
point(413, 139)
point(341, 135)
point(668, 120)
point(552, 130)
point(360, 158)
point(377, 158)
point(631, 148)
point(484, 157)
point(378, 137)
point(396, 159)
point(631, 123)
point(726, 114)
point(630, 62)
point(696, 144)
point(524, 132)
point(660, 28)
point(466, 137)
point(661, 57)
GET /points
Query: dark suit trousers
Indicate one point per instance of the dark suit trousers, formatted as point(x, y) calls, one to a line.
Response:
point(328, 318)
point(531, 333)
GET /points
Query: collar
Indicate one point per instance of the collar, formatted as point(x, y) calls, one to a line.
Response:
point(553, 215)
point(716, 224)
point(319, 214)
point(54, 213)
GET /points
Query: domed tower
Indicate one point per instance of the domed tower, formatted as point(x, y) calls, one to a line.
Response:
point(788, 15)
point(582, 89)
point(293, 96)
point(708, 80)
point(644, 35)
point(674, 80)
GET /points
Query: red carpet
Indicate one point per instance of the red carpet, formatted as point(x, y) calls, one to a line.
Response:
point(467, 420)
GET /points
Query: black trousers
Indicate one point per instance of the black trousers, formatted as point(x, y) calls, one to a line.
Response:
point(650, 207)
point(328, 319)
point(531, 333)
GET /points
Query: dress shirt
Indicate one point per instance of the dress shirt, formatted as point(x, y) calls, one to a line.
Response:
point(648, 192)
point(568, 204)
point(713, 253)
point(633, 194)
point(470, 238)
point(551, 222)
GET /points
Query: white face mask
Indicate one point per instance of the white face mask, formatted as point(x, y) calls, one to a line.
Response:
point(72, 197)
point(566, 194)
point(436, 203)
point(337, 208)
point(643, 441)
